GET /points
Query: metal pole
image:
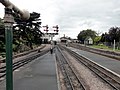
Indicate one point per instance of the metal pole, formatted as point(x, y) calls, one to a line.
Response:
point(8, 20)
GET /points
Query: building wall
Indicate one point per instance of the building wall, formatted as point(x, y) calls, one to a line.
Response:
point(88, 41)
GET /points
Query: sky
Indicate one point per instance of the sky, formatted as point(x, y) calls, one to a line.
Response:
point(73, 16)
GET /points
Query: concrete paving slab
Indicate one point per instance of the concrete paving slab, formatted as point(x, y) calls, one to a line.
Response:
point(37, 75)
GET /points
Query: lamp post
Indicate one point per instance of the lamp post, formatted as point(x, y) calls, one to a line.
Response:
point(8, 21)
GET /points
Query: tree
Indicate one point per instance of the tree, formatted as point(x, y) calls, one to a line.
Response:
point(85, 33)
point(2, 36)
point(102, 38)
point(1, 24)
point(105, 37)
point(24, 32)
point(118, 35)
point(113, 34)
point(97, 39)
point(28, 32)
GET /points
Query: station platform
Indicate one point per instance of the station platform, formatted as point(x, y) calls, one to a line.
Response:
point(39, 74)
point(109, 63)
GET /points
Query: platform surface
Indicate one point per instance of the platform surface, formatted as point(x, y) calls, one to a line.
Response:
point(111, 64)
point(37, 75)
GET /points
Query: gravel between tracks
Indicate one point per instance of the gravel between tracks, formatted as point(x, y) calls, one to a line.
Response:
point(61, 79)
point(91, 80)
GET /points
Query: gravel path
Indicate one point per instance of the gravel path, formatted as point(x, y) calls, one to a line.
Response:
point(90, 79)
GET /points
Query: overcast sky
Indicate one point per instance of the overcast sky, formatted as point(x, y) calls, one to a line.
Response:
point(73, 16)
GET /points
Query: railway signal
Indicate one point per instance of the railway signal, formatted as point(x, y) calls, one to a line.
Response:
point(56, 28)
point(51, 35)
point(46, 28)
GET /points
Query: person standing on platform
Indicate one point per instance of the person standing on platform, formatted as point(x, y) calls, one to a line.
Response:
point(51, 50)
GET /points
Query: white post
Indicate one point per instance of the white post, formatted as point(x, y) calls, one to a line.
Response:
point(51, 39)
point(114, 46)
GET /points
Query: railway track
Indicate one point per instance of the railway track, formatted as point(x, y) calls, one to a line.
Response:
point(72, 81)
point(106, 75)
point(22, 62)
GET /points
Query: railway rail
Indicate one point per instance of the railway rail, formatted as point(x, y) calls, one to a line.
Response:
point(24, 53)
point(107, 76)
point(72, 81)
point(22, 62)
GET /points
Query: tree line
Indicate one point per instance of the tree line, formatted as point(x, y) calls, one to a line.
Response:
point(25, 33)
point(106, 38)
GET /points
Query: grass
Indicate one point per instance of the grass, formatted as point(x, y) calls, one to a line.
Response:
point(101, 46)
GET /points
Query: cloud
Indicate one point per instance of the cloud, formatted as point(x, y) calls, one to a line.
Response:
point(76, 15)
point(72, 16)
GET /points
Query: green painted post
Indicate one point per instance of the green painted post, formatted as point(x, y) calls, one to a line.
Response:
point(8, 20)
point(9, 75)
